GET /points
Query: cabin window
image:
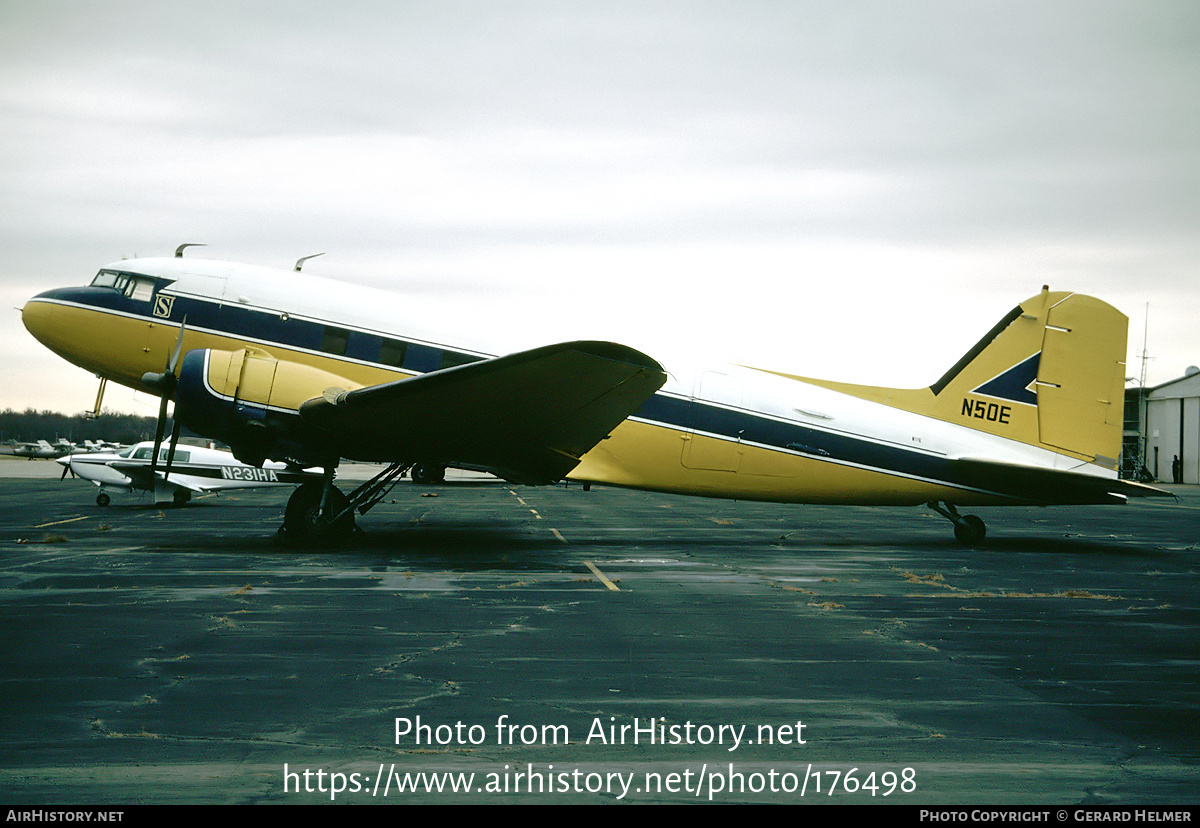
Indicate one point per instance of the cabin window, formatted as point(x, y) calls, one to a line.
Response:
point(392, 353)
point(334, 341)
point(146, 452)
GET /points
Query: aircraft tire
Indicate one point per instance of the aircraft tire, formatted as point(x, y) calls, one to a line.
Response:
point(303, 522)
point(103, 499)
point(428, 473)
point(970, 531)
point(181, 497)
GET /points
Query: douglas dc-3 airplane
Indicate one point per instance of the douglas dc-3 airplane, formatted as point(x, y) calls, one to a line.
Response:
point(282, 365)
point(195, 469)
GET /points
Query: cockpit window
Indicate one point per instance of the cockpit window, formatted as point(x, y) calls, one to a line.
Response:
point(146, 452)
point(135, 287)
point(106, 278)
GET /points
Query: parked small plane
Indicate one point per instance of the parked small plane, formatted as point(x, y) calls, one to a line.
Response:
point(101, 445)
point(193, 470)
point(43, 449)
point(279, 364)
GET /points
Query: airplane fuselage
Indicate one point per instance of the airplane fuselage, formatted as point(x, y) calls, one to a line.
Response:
point(721, 431)
point(194, 469)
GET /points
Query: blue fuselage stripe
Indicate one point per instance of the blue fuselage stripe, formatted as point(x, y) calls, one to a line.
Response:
point(793, 438)
point(662, 409)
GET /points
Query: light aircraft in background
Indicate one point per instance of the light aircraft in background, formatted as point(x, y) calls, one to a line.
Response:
point(101, 445)
point(282, 365)
point(191, 469)
point(43, 449)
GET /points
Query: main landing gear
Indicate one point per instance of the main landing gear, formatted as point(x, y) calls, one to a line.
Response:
point(318, 513)
point(968, 529)
point(427, 473)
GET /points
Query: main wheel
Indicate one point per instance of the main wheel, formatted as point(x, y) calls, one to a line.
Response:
point(428, 473)
point(970, 531)
point(181, 497)
point(303, 521)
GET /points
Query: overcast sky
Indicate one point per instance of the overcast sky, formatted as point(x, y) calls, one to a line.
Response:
point(853, 190)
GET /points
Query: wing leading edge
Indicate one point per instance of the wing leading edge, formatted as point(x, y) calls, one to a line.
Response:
point(527, 417)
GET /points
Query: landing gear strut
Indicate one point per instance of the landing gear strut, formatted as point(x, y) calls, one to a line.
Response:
point(968, 529)
point(318, 513)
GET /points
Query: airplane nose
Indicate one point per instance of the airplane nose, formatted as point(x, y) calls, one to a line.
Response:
point(39, 316)
point(61, 319)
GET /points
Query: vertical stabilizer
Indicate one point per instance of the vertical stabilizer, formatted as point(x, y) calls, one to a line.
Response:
point(1052, 373)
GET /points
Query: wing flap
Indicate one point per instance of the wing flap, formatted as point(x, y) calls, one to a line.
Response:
point(527, 416)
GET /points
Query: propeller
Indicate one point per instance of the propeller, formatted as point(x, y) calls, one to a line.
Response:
point(164, 385)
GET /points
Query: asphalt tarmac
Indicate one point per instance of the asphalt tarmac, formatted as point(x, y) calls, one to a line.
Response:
point(551, 645)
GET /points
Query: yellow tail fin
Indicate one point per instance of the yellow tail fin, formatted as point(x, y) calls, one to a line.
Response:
point(1051, 374)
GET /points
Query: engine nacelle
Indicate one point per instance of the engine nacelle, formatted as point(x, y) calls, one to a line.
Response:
point(251, 400)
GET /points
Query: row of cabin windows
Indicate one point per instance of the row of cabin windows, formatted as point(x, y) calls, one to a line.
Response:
point(394, 353)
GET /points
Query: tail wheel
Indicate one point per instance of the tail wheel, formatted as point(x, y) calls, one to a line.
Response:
point(304, 522)
point(970, 530)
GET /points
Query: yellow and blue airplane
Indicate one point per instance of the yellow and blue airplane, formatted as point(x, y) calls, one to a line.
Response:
point(286, 366)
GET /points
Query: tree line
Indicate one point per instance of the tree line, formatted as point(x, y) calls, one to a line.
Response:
point(30, 425)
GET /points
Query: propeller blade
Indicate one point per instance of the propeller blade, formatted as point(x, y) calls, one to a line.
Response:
point(158, 433)
point(173, 362)
point(171, 450)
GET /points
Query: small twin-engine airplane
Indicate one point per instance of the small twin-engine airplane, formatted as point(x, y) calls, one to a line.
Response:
point(192, 469)
point(279, 364)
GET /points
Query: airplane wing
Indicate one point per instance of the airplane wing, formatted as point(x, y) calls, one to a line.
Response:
point(1045, 487)
point(527, 417)
point(140, 477)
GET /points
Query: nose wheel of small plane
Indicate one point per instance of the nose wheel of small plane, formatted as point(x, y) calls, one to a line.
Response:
point(304, 521)
point(969, 530)
point(102, 499)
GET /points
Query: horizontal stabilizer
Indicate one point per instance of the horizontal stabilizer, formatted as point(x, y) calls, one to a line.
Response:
point(1043, 487)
